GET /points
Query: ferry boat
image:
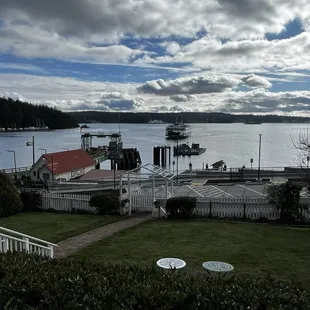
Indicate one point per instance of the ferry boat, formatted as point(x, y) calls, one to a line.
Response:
point(178, 131)
point(155, 121)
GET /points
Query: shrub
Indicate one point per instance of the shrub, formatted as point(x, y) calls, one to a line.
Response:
point(10, 202)
point(180, 207)
point(286, 198)
point(32, 282)
point(105, 203)
point(32, 201)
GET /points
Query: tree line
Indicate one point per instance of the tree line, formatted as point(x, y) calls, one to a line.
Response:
point(187, 117)
point(18, 114)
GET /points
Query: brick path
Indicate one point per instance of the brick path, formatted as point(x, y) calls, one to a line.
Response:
point(76, 243)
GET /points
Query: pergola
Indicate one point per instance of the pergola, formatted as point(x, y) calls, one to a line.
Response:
point(146, 174)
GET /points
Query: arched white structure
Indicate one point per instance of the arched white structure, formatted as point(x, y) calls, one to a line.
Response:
point(148, 175)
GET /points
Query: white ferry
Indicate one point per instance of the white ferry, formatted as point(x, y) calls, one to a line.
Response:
point(178, 131)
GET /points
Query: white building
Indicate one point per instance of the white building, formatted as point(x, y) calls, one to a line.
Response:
point(65, 165)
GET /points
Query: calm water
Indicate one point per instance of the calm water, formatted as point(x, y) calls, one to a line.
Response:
point(233, 143)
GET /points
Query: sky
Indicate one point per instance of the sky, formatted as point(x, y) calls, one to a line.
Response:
point(232, 56)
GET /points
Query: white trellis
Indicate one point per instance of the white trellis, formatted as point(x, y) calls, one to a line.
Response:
point(151, 174)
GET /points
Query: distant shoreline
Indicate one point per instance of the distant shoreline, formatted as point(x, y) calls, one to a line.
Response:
point(87, 117)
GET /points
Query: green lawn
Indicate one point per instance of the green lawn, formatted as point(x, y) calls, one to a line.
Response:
point(258, 249)
point(55, 227)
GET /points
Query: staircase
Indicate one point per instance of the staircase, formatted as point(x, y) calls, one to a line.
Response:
point(11, 240)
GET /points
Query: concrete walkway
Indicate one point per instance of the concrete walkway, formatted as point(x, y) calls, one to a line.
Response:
point(76, 243)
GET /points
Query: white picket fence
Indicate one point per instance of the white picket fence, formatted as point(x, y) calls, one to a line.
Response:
point(252, 208)
point(232, 207)
point(66, 202)
point(11, 241)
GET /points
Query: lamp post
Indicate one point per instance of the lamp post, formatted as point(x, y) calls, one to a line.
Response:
point(32, 144)
point(14, 154)
point(177, 142)
point(259, 153)
point(43, 150)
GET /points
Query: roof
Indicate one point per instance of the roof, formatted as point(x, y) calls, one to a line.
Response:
point(62, 162)
point(98, 174)
point(218, 163)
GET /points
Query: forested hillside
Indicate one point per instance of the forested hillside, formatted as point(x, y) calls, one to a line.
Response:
point(187, 117)
point(14, 113)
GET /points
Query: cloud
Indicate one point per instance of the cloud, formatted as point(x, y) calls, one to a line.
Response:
point(32, 41)
point(262, 101)
point(112, 19)
point(118, 101)
point(182, 98)
point(70, 94)
point(189, 85)
point(179, 89)
point(253, 80)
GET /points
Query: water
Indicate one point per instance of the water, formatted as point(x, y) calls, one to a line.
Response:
point(233, 143)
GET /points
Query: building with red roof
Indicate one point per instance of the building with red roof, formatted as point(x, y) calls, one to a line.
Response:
point(64, 165)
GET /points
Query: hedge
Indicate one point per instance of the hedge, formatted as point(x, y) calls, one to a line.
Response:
point(107, 203)
point(32, 201)
point(10, 202)
point(32, 282)
point(180, 207)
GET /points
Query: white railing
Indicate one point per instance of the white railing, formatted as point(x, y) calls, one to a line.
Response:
point(18, 169)
point(11, 241)
point(66, 202)
point(232, 207)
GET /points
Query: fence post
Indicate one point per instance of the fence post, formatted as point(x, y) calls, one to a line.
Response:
point(244, 214)
point(51, 248)
point(210, 209)
point(26, 244)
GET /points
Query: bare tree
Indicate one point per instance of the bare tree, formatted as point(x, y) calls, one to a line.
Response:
point(302, 145)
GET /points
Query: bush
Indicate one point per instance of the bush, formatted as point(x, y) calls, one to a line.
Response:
point(180, 207)
point(10, 202)
point(286, 197)
point(105, 203)
point(32, 201)
point(32, 282)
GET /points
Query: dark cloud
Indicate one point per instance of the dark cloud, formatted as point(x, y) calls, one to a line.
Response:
point(190, 85)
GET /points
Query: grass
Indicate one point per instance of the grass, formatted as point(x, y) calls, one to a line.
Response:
point(55, 227)
point(258, 249)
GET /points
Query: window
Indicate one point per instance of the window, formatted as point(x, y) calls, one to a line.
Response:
point(46, 176)
point(34, 173)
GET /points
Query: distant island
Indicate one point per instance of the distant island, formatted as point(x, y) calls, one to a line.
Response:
point(18, 115)
point(187, 117)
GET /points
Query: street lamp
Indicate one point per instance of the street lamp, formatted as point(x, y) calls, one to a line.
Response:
point(43, 150)
point(177, 142)
point(259, 152)
point(14, 154)
point(32, 144)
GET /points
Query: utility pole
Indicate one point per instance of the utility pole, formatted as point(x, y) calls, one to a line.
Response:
point(259, 153)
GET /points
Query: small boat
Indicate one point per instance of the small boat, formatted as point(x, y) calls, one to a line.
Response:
point(178, 131)
point(252, 123)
